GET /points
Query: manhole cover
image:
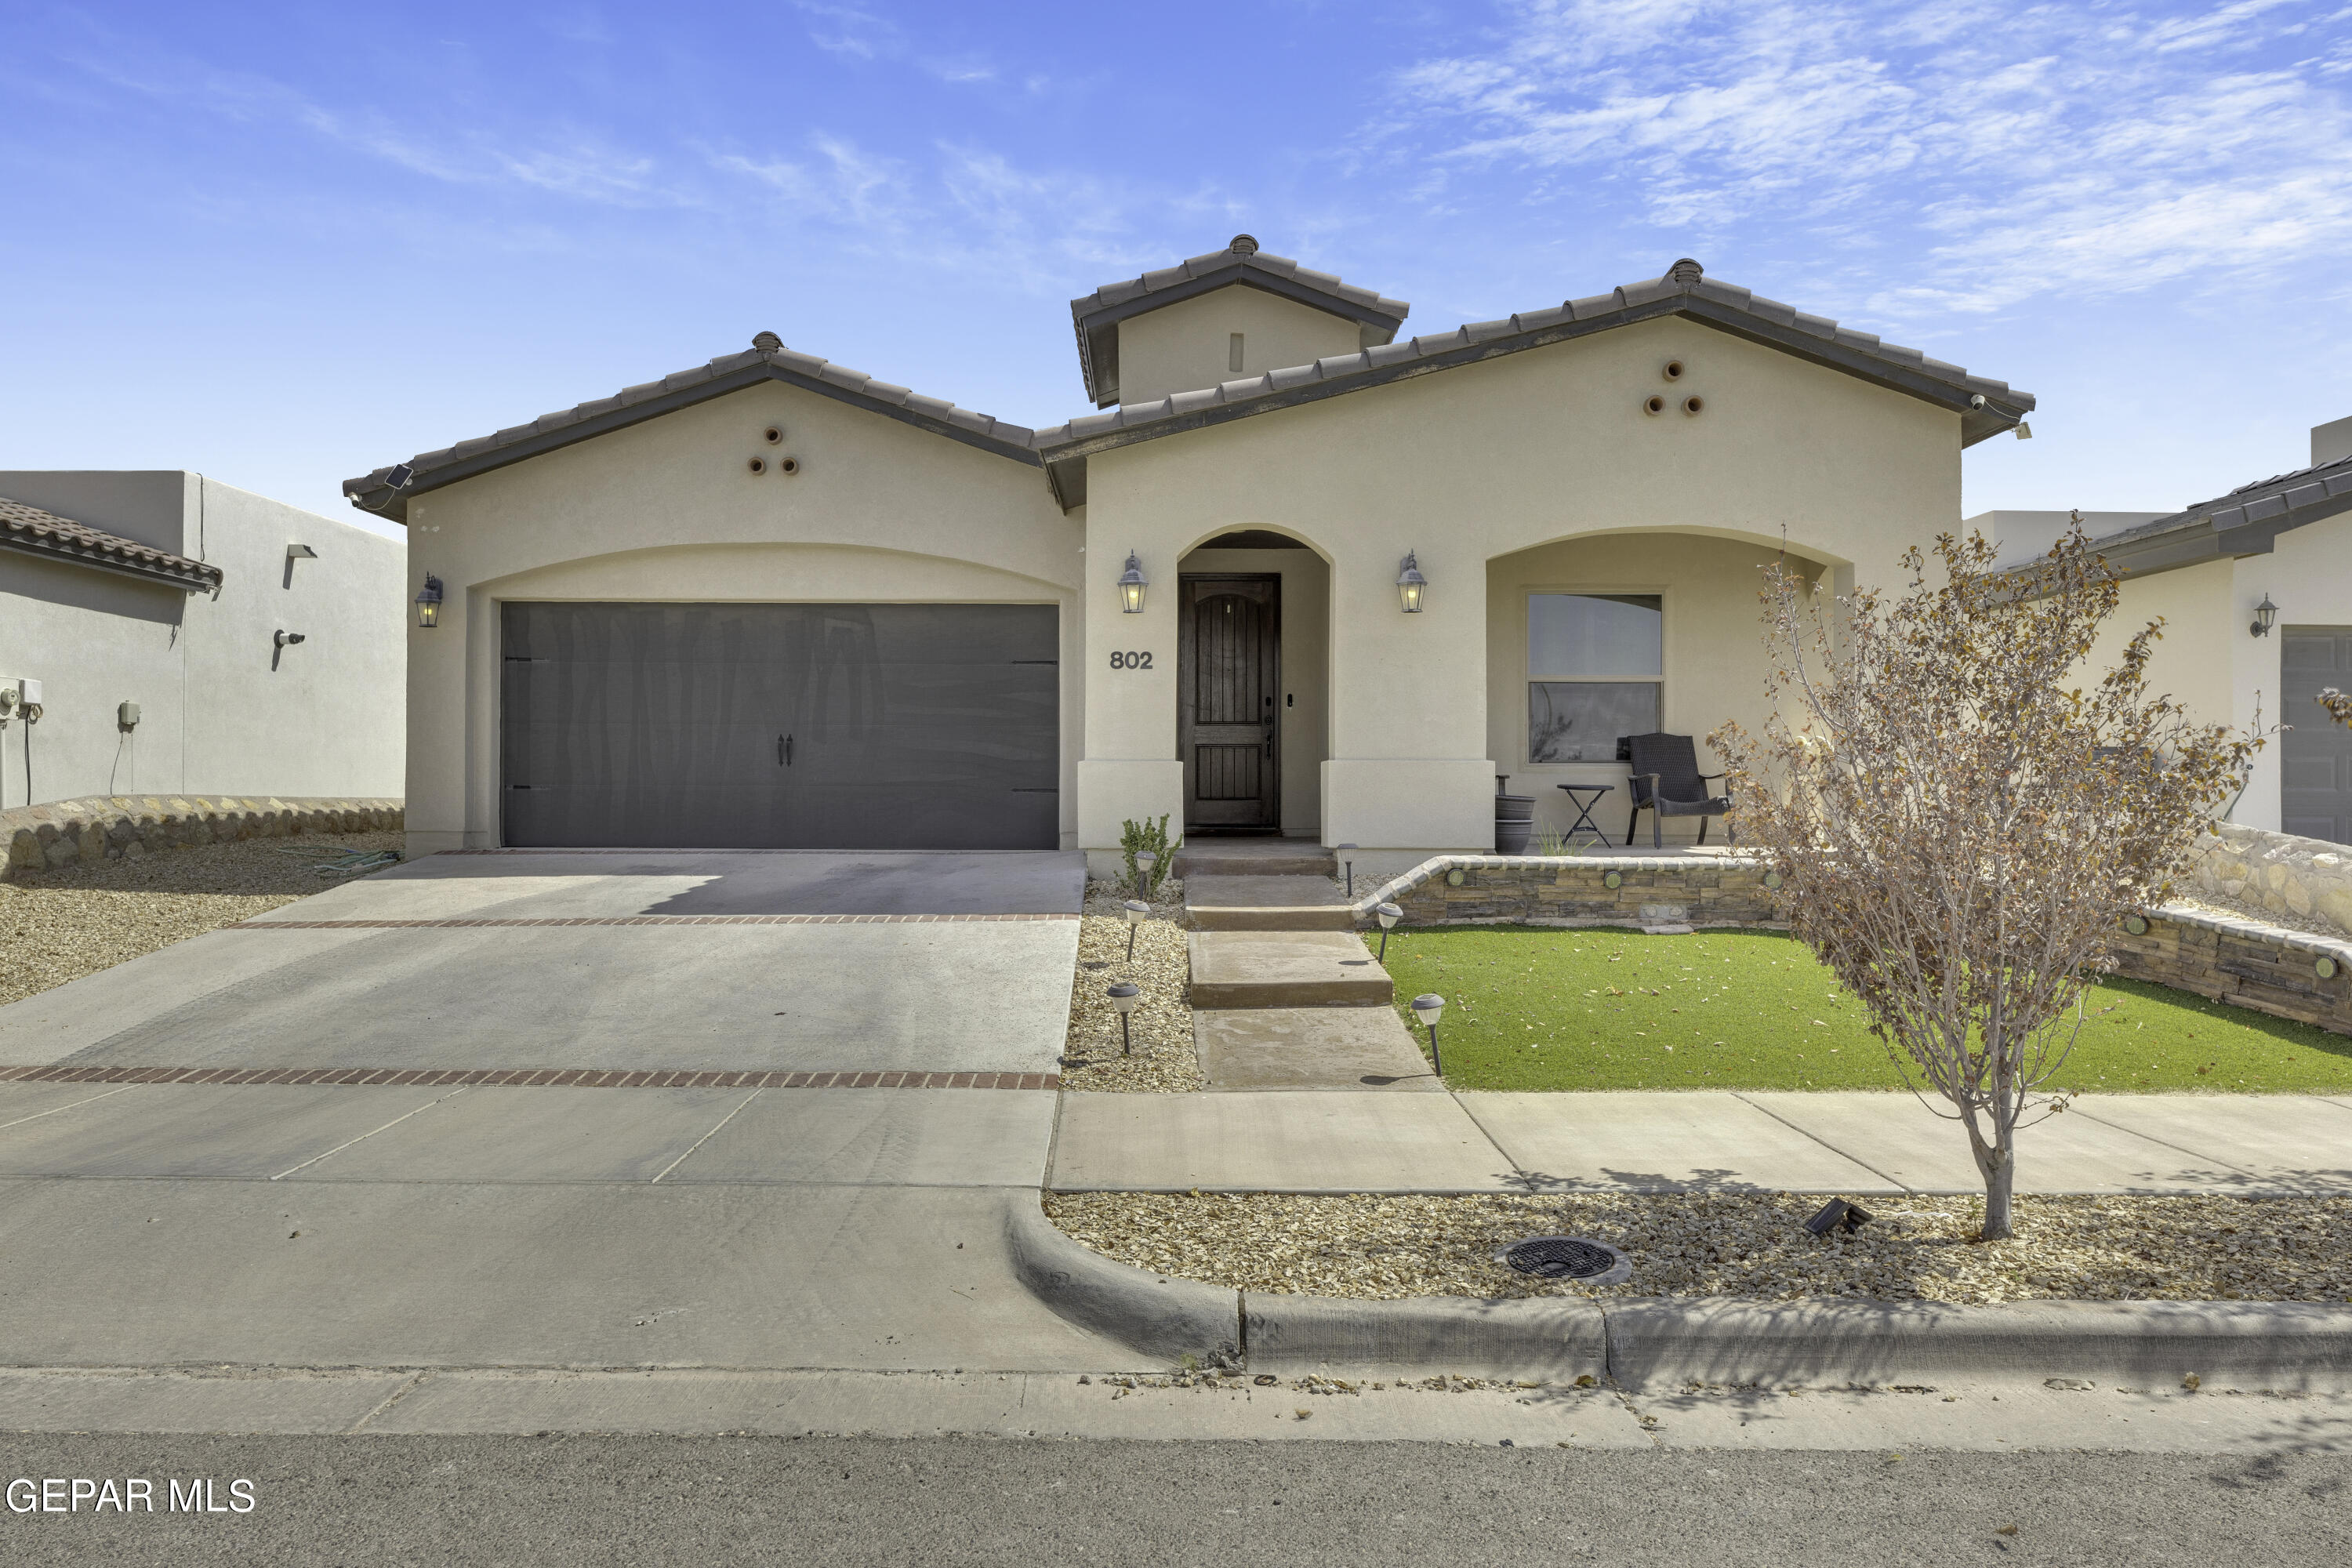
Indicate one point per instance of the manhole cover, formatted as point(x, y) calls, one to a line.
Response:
point(1568, 1257)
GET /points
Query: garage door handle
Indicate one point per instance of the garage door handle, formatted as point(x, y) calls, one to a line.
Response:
point(784, 750)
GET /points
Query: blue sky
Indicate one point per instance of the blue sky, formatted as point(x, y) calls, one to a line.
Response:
point(286, 243)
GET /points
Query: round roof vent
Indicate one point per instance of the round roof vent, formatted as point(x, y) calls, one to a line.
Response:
point(1244, 245)
point(767, 343)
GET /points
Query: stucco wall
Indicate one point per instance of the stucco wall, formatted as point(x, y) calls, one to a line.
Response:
point(1462, 467)
point(215, 718)
point(667, 509)
point(1185, 346)
point(2208, 660)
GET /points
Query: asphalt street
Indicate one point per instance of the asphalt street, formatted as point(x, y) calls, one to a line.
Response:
point(844, 1501)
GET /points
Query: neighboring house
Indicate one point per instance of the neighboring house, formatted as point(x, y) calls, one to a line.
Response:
point(167, 592)
point(772, 601)
point(2209, 570)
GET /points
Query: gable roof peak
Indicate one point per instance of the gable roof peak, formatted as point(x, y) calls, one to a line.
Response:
point(1097, 316)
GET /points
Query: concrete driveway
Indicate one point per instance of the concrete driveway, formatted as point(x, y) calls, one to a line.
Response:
point(416, 1223)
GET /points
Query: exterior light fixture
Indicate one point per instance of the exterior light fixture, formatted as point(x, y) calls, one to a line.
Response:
point(1390, 914)
point(1145, 860)
point(1131, 583)
point(1346, 850)
point(1839, 1214)
point(1427, 1007)
point(428, 603)
point(1410, 583)
point(2265, 613)
point(1136, 910)
point(1124, 994)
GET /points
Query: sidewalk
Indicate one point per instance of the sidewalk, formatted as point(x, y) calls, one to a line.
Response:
point(1686, 1142)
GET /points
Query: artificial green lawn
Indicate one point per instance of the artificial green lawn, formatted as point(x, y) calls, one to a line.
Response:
point(1529, 1007)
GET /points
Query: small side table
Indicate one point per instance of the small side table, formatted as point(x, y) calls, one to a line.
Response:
point(1584, 797)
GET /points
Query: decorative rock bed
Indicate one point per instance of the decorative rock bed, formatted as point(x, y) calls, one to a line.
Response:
point(110, 827)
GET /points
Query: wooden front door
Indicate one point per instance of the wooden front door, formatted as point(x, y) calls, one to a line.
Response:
point(1228, 678)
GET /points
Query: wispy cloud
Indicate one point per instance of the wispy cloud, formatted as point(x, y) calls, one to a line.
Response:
point(2005, 152)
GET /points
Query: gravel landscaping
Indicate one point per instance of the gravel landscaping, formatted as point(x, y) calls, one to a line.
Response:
point(1749, 1246)
point(57, 926)
point(1163, 1060)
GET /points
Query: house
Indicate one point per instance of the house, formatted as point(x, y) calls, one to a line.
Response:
point(1301, 576)
point(2255, 588)
point(186, 638)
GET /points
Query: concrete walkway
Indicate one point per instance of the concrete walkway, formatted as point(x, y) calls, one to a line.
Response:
point(1686, 1142)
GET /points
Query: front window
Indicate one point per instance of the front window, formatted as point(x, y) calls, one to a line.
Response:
point(1595, 667)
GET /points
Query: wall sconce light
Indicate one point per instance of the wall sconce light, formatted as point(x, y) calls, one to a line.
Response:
point(1131, 583)
point(428, 603)
point(1410, 583)
point(2265, 613)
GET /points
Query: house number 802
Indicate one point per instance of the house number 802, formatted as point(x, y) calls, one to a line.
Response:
point(1130, 661)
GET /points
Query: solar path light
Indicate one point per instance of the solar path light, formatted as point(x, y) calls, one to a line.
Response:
point(1390, 914)
point(1145, 860)
point(1135, 910)
point(1346, 850)
point(1427, 1008)
point(1123, 996)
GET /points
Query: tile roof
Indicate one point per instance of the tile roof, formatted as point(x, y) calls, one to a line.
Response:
point(30, 529)
point(1095, 315)
point(767, 360)
point(1987, 408)
point(2243, 522)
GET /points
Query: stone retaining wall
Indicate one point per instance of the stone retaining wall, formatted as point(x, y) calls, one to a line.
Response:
point(2245, 963)
point(1651, 890)
point(113, 827)
point(2309, 878)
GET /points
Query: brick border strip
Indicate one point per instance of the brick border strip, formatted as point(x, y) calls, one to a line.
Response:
point(529, 1078)
point(265, 924)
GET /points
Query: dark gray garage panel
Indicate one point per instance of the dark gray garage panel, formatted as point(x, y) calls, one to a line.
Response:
point(2315, 755)
point(782, 726)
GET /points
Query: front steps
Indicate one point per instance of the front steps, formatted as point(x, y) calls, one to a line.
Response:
point(1285, 969)
point(1254, 858)
point(1285, 994)
point(1220, 903)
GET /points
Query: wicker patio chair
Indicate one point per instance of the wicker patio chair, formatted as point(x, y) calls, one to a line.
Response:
point(1667, 782)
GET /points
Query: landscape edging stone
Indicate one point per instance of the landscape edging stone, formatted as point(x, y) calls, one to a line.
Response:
point(91, 829)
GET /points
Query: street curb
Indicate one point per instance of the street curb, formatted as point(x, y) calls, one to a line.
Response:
point(1160, 1316)
point(1543, 1339)
point(2295, 1346)
point(1664, 1345)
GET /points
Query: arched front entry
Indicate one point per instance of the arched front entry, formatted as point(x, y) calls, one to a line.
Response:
point(1252, 609)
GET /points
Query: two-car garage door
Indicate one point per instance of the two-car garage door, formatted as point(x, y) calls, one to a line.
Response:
point(781, 726)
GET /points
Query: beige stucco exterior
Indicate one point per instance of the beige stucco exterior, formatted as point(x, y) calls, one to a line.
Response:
point(2208, 658)
point(1469, 464)
point(667, 509)
point(1188, 345)
point(1538, 469)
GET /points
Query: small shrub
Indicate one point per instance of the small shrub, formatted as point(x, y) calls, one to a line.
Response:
point(1134, 837)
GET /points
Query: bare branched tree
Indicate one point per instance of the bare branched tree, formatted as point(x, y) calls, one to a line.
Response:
point(1961, 825)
